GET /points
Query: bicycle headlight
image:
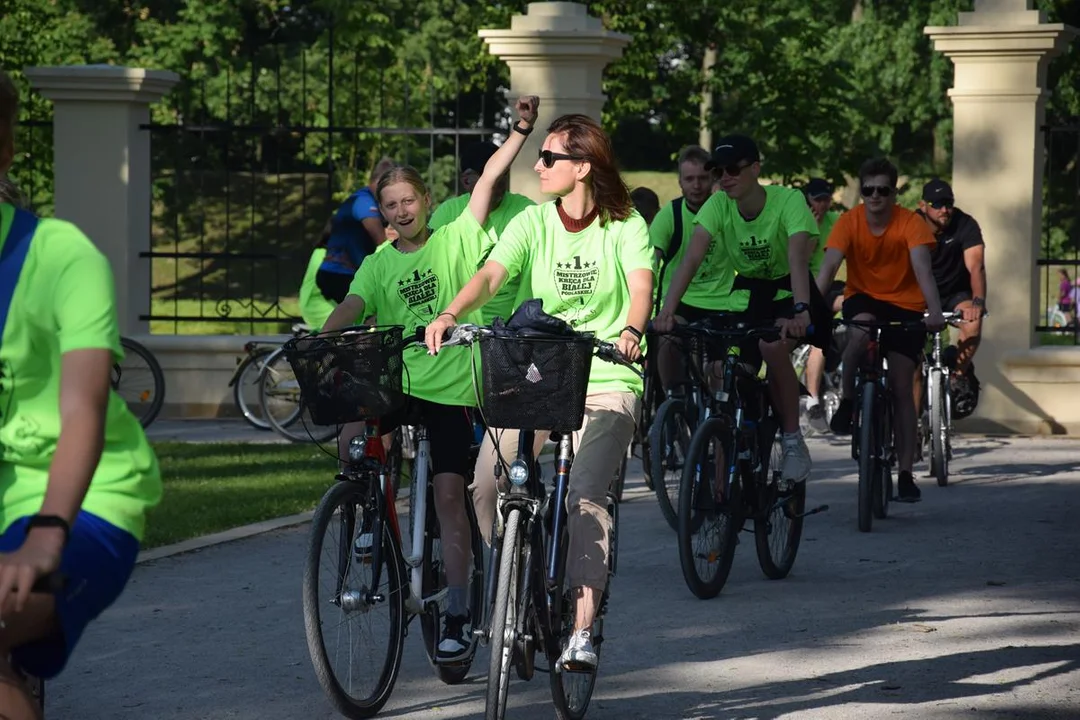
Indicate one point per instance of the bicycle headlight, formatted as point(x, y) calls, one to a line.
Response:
point(356, 449)
point(519, 473)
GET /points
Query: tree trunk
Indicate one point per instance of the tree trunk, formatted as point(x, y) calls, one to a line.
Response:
point(705, 138)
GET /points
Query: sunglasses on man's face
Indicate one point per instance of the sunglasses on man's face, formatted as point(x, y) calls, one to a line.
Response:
point(879, 190)
point(549, 158)
point(941, 204)
point(732, 170)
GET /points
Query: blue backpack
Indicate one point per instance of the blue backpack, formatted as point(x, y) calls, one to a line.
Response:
point(12, 259)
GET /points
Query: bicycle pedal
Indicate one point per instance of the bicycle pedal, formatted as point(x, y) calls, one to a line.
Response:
point(576, 668)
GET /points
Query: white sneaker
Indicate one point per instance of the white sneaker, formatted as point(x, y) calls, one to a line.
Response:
point(796, 463)
point(579, 655)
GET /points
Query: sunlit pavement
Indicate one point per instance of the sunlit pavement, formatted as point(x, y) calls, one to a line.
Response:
point(964, 605)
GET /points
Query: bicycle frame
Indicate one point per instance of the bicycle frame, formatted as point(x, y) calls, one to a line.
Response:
point(874, 368)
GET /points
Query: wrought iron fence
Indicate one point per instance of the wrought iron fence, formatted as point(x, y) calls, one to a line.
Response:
point(1060, 256)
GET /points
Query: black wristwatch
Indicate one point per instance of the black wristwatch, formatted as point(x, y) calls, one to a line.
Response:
point(801, 308)
point(524, 131)
point(49, 521)
point(978, 302)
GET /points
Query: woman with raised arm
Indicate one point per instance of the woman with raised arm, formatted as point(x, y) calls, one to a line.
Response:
point(586, 256)
point(407, 284)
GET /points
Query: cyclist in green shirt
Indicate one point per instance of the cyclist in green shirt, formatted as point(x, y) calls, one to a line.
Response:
point(767, 236)
point(407, 284)
point(77, 474)
point(586, 257)
point(314, 306)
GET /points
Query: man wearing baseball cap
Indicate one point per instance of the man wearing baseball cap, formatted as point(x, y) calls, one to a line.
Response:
point(766, 234)
point(504, 206)
point(961, 280)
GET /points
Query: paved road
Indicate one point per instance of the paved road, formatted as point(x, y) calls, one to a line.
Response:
point(966, 605)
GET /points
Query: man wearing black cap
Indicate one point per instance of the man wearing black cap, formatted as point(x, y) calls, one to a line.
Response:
point(504, 206)
point(765, 234)
point(958, 265)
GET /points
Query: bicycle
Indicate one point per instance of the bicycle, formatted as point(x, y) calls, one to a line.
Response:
point(346, 376)
point(52, 583)
point(248, 377)
point(829, 389)
point(530, 607)
point(652, 397)
point(139, 380)
point(732, 473)
point(871, 442)
point(282, 405)
point(675, 422)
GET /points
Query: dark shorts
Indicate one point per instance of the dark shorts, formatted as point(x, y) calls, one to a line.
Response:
point(97, 563)
point(950, 301)
point(334, 286)
point(909, 343)
point(450, 431)
point(692, 314)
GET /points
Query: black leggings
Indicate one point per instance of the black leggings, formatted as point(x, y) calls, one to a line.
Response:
point(449, 429)
point(334, 286)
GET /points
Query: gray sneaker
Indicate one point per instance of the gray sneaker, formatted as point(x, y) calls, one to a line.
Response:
point(796, 463)
point(579, 655)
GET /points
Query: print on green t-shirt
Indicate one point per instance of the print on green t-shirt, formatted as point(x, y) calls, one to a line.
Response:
point(504, 302)
point(580, 277)
point(411, 289)
point(710, 288)
point(758, 248)
point(65, 301)
point(314, 307)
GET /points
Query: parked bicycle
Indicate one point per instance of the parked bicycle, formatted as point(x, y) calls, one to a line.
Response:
point(362, 564)
point(531, 608)
point(246, 382)
point(732, 472)
point(138, 379)
point(281, 403)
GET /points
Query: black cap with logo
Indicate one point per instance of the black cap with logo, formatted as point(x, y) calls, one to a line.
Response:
point(732, 150)
point(937, 190)
point(818, 187)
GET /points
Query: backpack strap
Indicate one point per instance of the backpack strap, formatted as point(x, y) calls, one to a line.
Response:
point(676, 233)
point(12, 257)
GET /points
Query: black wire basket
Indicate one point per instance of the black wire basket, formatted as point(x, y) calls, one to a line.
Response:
point(348, 375)
point(535, 383)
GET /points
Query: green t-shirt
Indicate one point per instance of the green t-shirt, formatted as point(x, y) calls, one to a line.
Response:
point(758, 248)
point(580, 277)
point(411, 289)
point(65, 301)
point(502, 305)
point(824, 228)
point(710, 289)
point(314, 307)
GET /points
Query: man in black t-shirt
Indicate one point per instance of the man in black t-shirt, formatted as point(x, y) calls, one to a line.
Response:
point(957, 264)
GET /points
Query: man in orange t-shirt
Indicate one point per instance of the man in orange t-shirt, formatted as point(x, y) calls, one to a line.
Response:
point(889, 278)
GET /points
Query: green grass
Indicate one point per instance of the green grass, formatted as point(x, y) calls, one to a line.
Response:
point(214, 487)
point(664, 184)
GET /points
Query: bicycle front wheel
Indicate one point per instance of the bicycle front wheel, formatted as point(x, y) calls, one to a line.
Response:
point(354, 600)
point(503, 633)
point(138, 379)
point(669, 439)
point(709, 510)
point(939, 429)
point(778, 527)
point(868, 461)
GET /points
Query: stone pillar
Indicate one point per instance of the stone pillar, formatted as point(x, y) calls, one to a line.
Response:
point(101, 162)
point(558, 52)
point(1001, 52)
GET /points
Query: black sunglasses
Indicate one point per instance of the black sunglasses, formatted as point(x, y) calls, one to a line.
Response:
point(732, 170)
point(548, 158)
point(880, 190)
point(941, 204)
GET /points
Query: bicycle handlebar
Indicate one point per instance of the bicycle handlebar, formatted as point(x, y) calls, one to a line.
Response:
point(738, 330)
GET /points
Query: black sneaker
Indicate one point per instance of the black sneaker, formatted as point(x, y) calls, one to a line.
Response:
point(841, 419)
point(906, 489)
point(456, 638)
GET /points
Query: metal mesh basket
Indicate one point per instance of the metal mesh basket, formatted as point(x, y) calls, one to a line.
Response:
point(536, 383)
point(348, 375)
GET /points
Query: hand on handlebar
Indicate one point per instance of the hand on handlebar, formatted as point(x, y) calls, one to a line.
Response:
point(436, 330)
point(664, 321)
point(629, 346)
point(934, 321)
point(972, 313)
point(795, 327)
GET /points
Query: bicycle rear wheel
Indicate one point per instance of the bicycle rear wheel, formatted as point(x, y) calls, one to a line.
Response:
point(778, 527)
point(346, 585)
point(939, 429)
point(709, 510)
point(868, 462)
point(138, 379)
point(246, 388)
point(503, 633)
point(669, 440)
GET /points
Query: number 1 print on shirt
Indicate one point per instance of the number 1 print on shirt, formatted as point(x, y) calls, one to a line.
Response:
point(420, 291)
point(576, 281)
point(754, 250)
